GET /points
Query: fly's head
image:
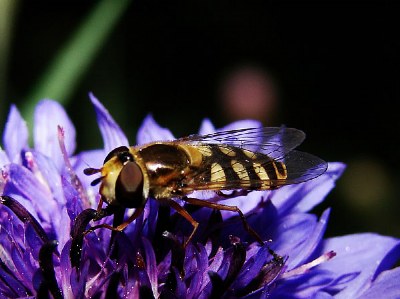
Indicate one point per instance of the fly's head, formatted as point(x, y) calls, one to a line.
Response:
point(121, 180)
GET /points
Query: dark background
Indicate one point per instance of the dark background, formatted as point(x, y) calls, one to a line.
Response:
point(335, 63)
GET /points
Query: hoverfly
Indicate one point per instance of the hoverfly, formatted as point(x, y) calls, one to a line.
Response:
point(244, 159)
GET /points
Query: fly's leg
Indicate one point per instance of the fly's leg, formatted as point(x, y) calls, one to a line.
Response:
point(101, 214)
point(221, 207)
point(180, 210)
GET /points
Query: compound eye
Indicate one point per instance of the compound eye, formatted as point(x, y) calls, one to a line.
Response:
point(115, 152)
point(129, 186)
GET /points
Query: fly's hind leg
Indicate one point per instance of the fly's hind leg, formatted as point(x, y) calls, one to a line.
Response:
point(217, 206)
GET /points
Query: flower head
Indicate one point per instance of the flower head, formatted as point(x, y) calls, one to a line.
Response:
point(48, 204)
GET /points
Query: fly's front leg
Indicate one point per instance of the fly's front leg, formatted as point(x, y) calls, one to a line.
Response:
point(103, 212)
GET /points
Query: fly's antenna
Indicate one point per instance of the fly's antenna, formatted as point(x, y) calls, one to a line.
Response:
point(91, 171)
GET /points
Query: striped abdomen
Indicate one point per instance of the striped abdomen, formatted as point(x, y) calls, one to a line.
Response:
point(226, 167)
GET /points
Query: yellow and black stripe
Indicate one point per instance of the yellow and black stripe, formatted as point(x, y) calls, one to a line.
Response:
point(251, 170)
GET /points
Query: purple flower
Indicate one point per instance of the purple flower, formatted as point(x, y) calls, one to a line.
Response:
point(47, 205)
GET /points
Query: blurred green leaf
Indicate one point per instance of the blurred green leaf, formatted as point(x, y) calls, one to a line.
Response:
point(60, 80)
point(8, 9)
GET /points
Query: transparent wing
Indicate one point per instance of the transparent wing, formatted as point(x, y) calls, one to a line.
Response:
point(302, 167)
point(275, 142)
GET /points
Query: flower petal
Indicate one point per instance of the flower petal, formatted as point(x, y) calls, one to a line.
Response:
point(291, 236)
point(15, 136)
point(241, 124)
point(251, 268)
point(198, 280)
point(180, 288)
point(150, 131)
point(14, 288)
point(387, 283)
point(63, 228)
point(23, 185)
point(3, 161)
point(163, 268)
point(303, 197)
point(111, 132)
point(206, 127)
point(319, 188)
point(65, 271)
point(48, 116)
point(307, 285)
point(22, 268)
point(215, 264)
point(245, 203)
point(360, 254)
point(151, 266)
point(74, 203)
point(311, 243)
point(45, 171)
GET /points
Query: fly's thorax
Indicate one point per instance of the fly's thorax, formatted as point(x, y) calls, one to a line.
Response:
point(123, 179)
point(166, 165)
